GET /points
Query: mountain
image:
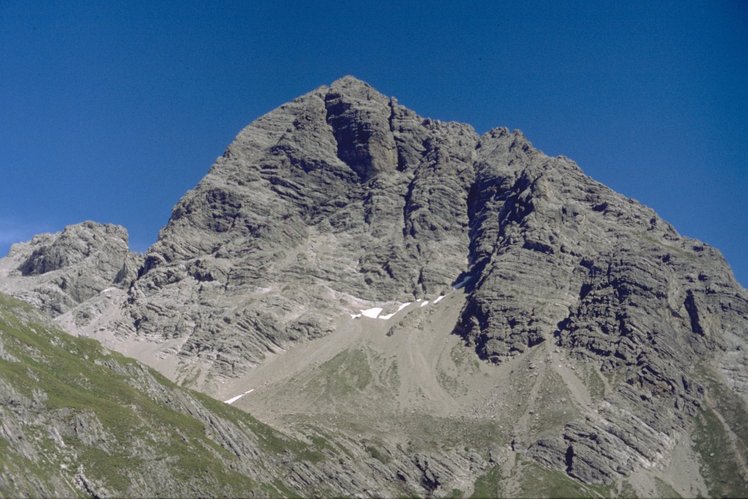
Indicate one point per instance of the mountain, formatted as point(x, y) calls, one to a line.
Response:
point(465, 304)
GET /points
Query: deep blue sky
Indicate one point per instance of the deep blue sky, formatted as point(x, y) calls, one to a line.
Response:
point(110, 111)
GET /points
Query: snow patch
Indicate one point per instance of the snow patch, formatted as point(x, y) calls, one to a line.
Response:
point(234, 399)
point(423, 304)
point(372, 312)
point(375, 313)
point(439, 299)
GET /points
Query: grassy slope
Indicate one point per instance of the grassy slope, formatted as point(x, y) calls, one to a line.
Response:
point(57, 380)
point(718, 453)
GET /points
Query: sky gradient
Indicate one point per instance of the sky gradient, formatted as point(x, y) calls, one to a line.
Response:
point(110, 111)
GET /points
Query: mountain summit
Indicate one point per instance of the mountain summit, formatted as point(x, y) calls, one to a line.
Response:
point(465, 306)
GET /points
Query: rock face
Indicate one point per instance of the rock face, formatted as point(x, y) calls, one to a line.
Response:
point(57, 272)
point(556, 256)
point(344, 200)
point(340, 198)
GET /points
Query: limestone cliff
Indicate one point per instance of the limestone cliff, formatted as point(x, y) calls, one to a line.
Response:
point(343, 208)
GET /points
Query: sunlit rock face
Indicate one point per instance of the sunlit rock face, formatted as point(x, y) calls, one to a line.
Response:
point(343, 205)
point(339, 198)
point(58, 272)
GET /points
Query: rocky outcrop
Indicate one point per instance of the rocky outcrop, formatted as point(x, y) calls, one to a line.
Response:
point(558, 257)
point(57, 272)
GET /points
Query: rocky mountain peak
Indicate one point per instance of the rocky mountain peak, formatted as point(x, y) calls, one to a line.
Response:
point(59, 271)
point(362, 122)
point(354, 87)
point(73, 245)
point(344, 225)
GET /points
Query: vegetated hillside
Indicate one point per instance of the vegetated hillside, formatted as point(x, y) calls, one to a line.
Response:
point(409, 270)
point(78, 420)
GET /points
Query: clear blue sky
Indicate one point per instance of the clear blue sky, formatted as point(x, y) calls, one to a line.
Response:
point(110, 110)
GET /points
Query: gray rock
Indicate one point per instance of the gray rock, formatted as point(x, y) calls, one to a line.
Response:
point(559, 257)
point(57, 272)
point(343, 199)
point(342, 192)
